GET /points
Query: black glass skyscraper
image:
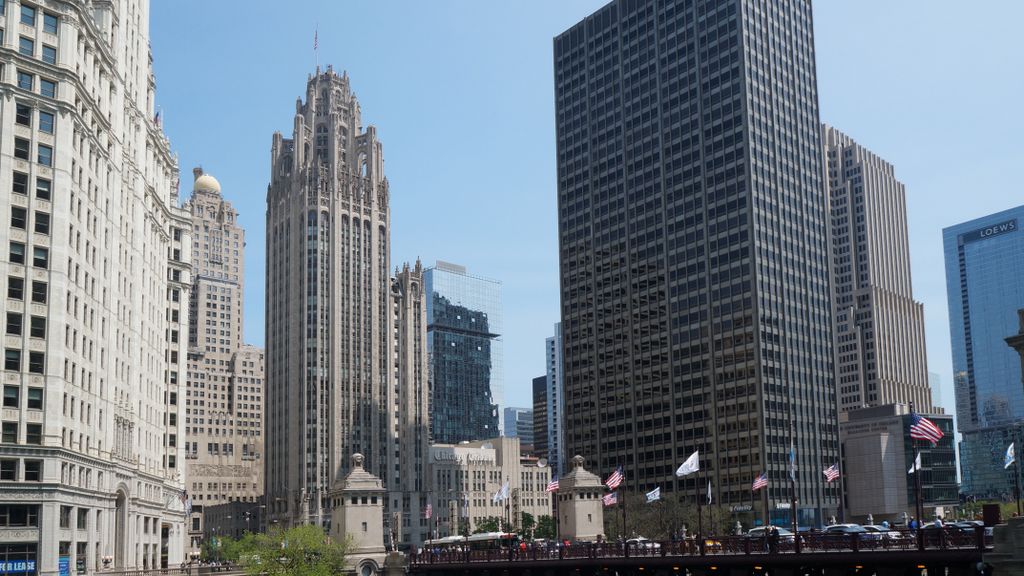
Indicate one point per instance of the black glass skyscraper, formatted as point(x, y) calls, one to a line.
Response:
point(693, 251)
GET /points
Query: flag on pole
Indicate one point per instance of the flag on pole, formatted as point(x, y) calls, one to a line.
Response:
point(428, 511)
point(610, 499)
point(759, 482)
point(553, 485)
point(186, 501)
point(316, 39)
point(502, 493)
point(691, 465)
point(709, 491)
point(832, 472)
point(916, 465)
point(792, 460)
point(922, 428)
point(615, 479)
point(1010, 457)
point(654, 495)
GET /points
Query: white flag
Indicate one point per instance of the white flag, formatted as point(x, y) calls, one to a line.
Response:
point(501, 494)
point(1010, 457)
point(691, 465)
point(709, 491)
point(916, 465)
point(654, 495)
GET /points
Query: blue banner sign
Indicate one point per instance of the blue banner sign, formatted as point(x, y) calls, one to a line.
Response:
point(18, 566)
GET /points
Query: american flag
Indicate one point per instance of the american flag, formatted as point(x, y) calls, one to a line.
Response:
point(759, 482)
point(553, 485)
point(615, 479)
point(610, 499)
point(428, 511)
point(832, 472)
point(922, 428)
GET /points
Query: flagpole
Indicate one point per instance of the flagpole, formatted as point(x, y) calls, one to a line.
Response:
point(625, 530)
point(1016, 483)
point(792, 475)
point(700, 522)
point(767, 517)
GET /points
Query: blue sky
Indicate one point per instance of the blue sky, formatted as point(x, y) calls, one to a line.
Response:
point(461, 94)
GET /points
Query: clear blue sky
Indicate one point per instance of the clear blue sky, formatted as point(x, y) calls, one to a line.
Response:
point(461, 93)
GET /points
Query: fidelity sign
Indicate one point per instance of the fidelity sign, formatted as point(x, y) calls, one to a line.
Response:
point(989, 231)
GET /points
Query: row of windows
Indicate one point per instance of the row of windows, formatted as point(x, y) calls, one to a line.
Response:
point(19, 220)
point(23, 116)
point(36, 361)
point(23, 151)
point(27, 47)
point(20, 186)
point(16, 325)
point(16, 289)
point(32, 470)
point(40, 255)
point(27, 81)
point(29, 15)
point(33, 433)
point(12, 397)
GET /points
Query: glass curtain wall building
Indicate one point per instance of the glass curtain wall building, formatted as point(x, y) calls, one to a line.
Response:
point(985, 288)
point(464, 325)
point(693, 244)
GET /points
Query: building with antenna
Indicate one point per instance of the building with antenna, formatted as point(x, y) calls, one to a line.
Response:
point(346, 357)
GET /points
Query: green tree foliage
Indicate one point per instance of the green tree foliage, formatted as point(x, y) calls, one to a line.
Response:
point(526, 526)
point(300, 551)
point(659, 520)
point(489, 524)
point(545, 528)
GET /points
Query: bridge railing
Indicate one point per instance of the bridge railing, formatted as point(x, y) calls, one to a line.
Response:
point(804, 543)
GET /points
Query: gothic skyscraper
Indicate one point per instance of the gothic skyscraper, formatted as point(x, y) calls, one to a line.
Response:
point(338, 377)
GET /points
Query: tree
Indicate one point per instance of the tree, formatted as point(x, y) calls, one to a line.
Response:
point(526, 526)
point(299, 551)
point(545, 528)
point(489, 524)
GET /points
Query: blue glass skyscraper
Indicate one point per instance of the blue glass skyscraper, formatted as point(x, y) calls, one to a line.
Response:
point(464, 340)
point(985, 288)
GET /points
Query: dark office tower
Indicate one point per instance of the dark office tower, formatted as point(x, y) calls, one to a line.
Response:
point(463, 336)
point(540, 416)
point(693, 251)
point(346, 356)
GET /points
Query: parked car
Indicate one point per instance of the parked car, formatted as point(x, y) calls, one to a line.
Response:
point(884, 531)
point(847, 529)
point(971, 526)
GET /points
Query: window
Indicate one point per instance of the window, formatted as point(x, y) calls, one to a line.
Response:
point(37, 327)
point(12, 360)
point(35, 398)
point(15, 287)
point(10, 433)
point(12, 395)
point(48, 88)
point(42, 223)
point(25, 80)
point(21, 148)
point(8, 469)
point(83, 517)
point(14, 323)
point(46, 122)
point(49, 54)
point(28, 15)
point(23, 114)
point(26, 46)
point(49, 23)
point(45, 156)
point(65, 516)
point(33, 470)
point(41, 257)
point(38, 292)
point(14, 515)
point(37, 362)
point(17, 253)
point(18, 217)
point(20, 185)
point(43, 187)
point(33, 433)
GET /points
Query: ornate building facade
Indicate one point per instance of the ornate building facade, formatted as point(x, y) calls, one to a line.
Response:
point(224, 396)
point(346, 356)
point(96, 281)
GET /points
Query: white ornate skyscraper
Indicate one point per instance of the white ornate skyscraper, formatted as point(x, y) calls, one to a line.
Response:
point(95, 277)
point(340, 379)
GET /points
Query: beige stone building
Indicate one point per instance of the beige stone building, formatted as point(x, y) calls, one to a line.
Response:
point(224, 395)
point(346, 357)
point(879, 327)
point(95, 282)
point(465, 477)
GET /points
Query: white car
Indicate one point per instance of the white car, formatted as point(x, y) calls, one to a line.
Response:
point(641, 542)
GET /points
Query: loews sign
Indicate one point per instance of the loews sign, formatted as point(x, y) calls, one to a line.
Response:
point(989, 231)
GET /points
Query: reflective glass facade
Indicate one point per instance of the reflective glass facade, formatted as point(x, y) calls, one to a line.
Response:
point(985, 288)
point(464, 339)
point(693, 251)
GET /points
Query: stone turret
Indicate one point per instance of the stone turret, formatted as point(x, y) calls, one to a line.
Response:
point(580, 509)
point(357, 513)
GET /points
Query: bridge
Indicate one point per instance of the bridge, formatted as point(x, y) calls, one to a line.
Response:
point(901, 553)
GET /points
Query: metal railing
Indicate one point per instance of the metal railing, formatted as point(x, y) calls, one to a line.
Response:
point(804, 543)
